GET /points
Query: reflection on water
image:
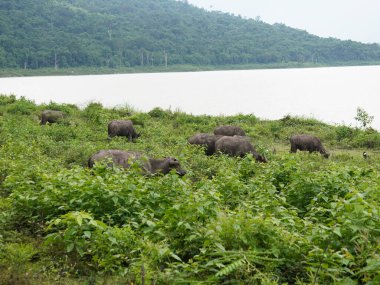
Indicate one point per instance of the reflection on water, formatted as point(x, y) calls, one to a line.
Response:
point(328, 94)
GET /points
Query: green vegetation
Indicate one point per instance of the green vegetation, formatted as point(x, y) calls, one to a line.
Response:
point(363, 118)
point(298, 219)
point(125, 34)
point(17, 72)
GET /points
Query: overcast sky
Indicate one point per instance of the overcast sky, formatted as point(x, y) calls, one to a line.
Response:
point(357, 20)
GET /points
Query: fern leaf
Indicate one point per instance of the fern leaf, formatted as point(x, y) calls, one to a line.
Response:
point(231, 268)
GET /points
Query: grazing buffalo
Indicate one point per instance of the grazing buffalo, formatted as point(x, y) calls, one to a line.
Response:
point(51, 116)
point(229, 131)
point(206, 140)
point(242, 137)
point(122, 128)
point(237, 146)
point(149, 165)
point(307, 143)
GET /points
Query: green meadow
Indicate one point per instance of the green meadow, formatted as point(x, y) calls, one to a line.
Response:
point(298, 219)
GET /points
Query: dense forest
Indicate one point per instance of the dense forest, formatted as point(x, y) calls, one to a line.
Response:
point(127, 33)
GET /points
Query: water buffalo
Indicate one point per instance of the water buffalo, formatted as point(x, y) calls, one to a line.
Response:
point(51, 116)
point(307, 143)
point(206, 140)
point(149, 165)
point(229, 131)
point(122, 128)
point(237, 146)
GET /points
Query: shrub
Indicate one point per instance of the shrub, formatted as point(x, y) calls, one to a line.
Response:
point(68, 109)
point(87, 242)
point(94, 113)
point(6, 100)
point(344, 132)
point(368, 139)
point(22, 106)
point(139, 119)
point(288, 120)
point(159, 113)
point(249, 119)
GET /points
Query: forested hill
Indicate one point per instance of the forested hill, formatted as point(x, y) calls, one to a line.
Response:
point(115, 33)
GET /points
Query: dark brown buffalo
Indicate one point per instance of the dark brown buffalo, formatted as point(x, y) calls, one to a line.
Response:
point(243, 137)
point(237, 146)
point(307, 143)
point(206, 140)
point(229, 131)
point(51, 116)
point(149, 165)
point(122, 128)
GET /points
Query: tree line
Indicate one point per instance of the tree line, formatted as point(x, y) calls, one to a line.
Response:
point(123, 33)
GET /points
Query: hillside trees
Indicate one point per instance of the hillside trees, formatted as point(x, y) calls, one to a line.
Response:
point(113, 33)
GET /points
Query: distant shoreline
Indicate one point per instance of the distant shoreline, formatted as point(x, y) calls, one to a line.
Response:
point(19, 72)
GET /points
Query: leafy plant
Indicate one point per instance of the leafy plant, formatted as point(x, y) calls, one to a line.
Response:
point(88, 242)
point(363, 118)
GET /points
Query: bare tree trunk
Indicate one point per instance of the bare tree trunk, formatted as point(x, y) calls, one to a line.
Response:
point(109, 32)
point(55, 60)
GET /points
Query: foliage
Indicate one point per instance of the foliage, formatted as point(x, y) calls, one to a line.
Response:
point(298, 219)
point(88, 242)
point(363, 118)
point(344, 133)
point(77, 33)
point(22, 106)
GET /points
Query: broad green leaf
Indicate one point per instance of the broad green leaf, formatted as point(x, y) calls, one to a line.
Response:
point(70, 247)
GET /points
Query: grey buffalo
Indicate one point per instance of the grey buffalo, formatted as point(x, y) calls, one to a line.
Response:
point(126, 158)
point(236, 146)
point(307, 143)
point(206, 140)
point(122, 128)
point(51, 116)
point(229, 131)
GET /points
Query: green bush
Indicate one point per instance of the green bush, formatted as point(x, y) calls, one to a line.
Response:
point(89, 244)
point(368, 139)
point(344, 132)
point(22, 106)
point(94, 113)
point(139, 119)
point(294, 121)
point(159, 113)
point(7, 100)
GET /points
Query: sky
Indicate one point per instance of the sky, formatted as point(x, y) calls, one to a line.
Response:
point(356, 20)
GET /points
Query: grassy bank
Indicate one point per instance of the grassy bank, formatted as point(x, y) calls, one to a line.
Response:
point(18, 72)
point(298, 219)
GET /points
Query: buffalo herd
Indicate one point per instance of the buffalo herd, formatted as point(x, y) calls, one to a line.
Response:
point(230, 140)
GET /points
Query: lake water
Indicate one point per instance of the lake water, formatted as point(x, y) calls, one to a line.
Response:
point(328, 94)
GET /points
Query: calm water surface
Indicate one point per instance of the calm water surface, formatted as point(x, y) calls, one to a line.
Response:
point(328, 94)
